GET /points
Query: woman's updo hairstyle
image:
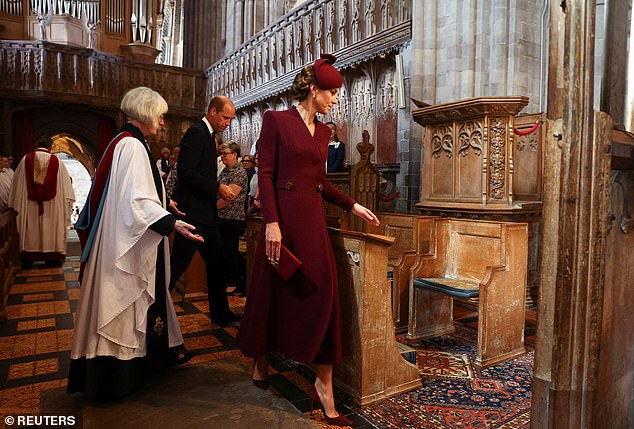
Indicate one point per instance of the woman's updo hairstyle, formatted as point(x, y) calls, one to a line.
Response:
point(302, 82)
point(322, 74)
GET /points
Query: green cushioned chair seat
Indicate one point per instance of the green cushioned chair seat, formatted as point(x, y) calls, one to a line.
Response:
point(453, 287)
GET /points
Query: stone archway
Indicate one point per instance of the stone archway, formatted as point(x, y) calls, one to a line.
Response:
point(84, 153)
point(81, 133)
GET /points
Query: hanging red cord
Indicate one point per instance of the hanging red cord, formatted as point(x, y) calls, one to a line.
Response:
point(390, 198)
point(528, 131)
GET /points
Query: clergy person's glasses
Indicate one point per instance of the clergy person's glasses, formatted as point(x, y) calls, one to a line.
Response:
point(225, 153)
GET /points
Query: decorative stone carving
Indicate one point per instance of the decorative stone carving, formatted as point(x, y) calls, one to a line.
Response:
point(339, 110)
point(256, 121)
point(308, 26)
point(319, 25)
point(386, 14)
point(355, 36)
point(290, 48)
point(299, 39)
point(362, 101)
point(369, 23)
point(387, 99)
point(273, 51)
point(330, 34)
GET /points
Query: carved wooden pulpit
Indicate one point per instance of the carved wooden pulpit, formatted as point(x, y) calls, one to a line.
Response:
point(374, 369)
point(471, 157)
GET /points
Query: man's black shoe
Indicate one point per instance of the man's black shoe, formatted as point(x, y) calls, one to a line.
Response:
point(226, 320)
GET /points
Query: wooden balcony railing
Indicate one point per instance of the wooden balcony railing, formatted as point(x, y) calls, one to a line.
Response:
point(48, 70)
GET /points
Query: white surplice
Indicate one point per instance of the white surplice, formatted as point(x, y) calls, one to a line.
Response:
point(118, 285)
point(45, 233)
point(6, 177)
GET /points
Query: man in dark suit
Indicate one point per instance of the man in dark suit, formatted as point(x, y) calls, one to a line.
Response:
point(196, 192)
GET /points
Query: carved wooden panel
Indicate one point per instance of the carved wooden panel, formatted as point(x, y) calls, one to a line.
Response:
point(528, 158)
point(468, 160)
point(615, 379)
point(497, 159)
point(440, 154)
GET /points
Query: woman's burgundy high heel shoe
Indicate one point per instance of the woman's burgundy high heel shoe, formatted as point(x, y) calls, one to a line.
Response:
point(260, 384)
point(335, 421)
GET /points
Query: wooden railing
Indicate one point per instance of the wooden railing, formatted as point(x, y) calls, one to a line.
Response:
point(267, 63)
point(51, 71)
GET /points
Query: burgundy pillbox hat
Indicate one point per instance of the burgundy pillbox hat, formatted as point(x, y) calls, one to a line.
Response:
point(326, 75)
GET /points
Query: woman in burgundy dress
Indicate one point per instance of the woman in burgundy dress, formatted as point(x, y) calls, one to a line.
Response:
point(299, 317)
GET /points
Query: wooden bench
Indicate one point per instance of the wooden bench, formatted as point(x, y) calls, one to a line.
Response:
point(9, 257)
point(413, 235)
point(480, 260)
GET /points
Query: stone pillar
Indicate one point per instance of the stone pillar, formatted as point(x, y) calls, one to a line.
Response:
point(410, 134)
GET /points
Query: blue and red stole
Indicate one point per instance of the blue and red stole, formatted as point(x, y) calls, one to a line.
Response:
point(90, 215)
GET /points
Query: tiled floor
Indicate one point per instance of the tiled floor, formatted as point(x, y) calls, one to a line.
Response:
point(35, 341)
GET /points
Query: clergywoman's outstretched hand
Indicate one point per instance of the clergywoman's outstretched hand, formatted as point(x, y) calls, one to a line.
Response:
point(273, 238)
point(186, 229)
point(174, 208)
point(365, 214)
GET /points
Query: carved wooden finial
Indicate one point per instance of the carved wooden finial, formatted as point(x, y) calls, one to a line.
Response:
point(365, 148)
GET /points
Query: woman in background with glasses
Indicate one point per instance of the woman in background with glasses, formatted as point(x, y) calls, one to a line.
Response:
point(231, 213)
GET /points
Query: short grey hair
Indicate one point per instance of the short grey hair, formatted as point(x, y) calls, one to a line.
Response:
point(144, 105)
point(232, 146)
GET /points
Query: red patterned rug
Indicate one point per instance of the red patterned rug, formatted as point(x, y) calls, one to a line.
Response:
point(455, 394)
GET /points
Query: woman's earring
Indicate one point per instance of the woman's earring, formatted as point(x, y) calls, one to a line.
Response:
point(314, 95)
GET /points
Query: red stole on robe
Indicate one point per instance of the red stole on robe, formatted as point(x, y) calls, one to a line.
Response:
point(47, 190)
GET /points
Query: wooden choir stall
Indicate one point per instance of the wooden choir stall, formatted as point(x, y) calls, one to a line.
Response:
point(375, 370)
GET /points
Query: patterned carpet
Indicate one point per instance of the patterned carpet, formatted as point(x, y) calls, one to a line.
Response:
point(455, 394)
point(35, 346)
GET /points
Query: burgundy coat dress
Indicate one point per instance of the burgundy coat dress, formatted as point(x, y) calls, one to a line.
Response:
point(300, 317)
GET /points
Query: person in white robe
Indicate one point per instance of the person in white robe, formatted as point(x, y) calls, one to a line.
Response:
point(42, 195)
point(6, 177)
point(126, 327)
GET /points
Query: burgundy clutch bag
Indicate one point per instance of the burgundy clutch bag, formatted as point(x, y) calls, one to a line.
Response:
point(287, 264)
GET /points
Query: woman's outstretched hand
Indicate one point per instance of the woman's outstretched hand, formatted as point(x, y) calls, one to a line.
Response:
point(365, 214)
point(185, 230)
point(273, 238)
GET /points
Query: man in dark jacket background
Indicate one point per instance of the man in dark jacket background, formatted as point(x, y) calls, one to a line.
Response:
point(197, 190)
